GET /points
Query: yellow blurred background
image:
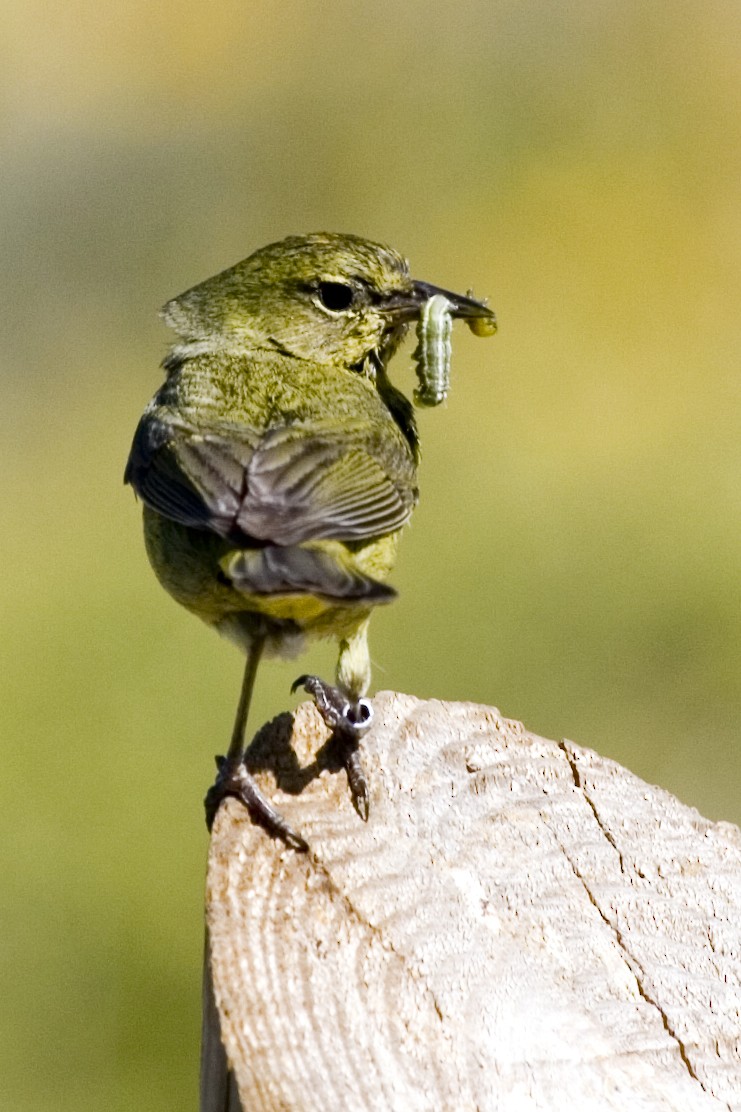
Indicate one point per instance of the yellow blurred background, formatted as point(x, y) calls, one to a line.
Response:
point(575, 556)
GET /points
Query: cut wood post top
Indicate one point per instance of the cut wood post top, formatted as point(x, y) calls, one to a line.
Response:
point(521, 925)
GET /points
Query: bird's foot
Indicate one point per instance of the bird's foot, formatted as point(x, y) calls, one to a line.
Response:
point(337, 711)
point(348, 722)
point(233, 779)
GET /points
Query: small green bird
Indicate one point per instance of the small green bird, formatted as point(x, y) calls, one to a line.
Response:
point(277, 467)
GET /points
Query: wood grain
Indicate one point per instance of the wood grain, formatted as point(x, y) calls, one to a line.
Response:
point(521, 925)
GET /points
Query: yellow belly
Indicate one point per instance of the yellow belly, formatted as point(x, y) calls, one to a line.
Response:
point(188, 563)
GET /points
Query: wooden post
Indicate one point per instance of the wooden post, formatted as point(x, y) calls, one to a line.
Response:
point(522, 925)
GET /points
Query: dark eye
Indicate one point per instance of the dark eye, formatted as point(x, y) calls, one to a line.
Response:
point(336, 296)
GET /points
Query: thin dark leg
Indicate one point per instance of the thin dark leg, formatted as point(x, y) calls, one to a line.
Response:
point(233, 779)
point(236, 745)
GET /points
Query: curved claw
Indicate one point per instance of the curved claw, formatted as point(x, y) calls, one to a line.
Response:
point(357, 783)
point(233, 779)
point(330, 701)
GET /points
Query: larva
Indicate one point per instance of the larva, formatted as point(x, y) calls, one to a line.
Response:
point(432, 354)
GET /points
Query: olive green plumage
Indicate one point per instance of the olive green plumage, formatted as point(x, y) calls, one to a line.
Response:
point(277, 463)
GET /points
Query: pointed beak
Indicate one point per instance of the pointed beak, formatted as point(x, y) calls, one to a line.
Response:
point(464, 307)
point(402, 308)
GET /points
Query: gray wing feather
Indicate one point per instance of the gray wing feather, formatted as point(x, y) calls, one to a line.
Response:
point(291, 485)
point(301, 488)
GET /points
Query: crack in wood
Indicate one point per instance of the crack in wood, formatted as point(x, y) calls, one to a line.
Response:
point(632, 963)
point(579, 784)
point(375, 931)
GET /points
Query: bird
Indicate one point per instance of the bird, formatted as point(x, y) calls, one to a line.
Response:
point(277, 467)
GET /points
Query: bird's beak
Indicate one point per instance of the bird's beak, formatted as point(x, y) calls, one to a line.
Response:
point(404, 307)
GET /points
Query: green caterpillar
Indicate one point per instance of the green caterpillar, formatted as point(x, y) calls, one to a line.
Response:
point(432, 354)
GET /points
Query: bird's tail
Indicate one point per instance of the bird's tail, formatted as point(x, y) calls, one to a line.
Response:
point(302, 569)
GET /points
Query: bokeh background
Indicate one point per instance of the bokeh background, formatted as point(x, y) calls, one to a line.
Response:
point(575, 556)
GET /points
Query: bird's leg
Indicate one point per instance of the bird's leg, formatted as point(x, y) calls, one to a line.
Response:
point(347, 713)
point(234, 779)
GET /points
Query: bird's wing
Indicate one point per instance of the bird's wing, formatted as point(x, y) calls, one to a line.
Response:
point(288, 485)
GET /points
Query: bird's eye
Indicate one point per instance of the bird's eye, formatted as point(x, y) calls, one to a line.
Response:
point(335, 296)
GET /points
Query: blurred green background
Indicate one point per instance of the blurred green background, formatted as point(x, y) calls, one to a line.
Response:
point(575, 556)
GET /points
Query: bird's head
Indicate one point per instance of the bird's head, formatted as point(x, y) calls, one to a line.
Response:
point(331, 298)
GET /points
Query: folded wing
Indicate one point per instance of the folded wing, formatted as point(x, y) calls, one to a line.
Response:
point(289, 485)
